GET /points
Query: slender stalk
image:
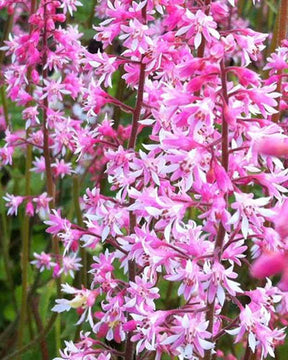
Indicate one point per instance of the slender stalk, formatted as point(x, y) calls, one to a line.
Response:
point(46, 150)
point(43, 343)
point(201, 49)
point(248, 352)
point(129, 351)
point(58, 334)
point(7, 30)
point(138, 107)
point(5, 247)
point(131, 144)
point(5, 106)
point(241, 5)
point(48, 170)
point(225, 163)
point(25, 252)
point(225, 145)
point(26, 228)
point(130, 348)
point(76, 191)
point(120, 97)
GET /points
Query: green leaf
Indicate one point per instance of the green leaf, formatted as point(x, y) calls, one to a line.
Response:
point(9, 312)
point(46, 292)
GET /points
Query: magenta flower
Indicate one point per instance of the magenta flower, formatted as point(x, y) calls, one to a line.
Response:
point(255, 323)
point(199, 25)
point(13, 202)
point(190, 278)
point(142, 294)
point(218, 279)
point(70, 6)
point(189, 338)
point(56, 223)
point(54, 90)
point(43, 261)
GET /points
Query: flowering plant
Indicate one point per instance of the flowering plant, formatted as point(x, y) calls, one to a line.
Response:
point(148, 171)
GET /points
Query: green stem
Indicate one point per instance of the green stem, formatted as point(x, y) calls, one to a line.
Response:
point(120, 96)
point(274, 40)
point(280, 34)
point(58, 334)
point(7, 30)
point(92, 14)
point(5, 106)
point(5, 247)
point(26, 228)
point(25, 251)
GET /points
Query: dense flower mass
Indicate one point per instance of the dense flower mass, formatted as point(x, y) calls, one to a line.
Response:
point(157, 152)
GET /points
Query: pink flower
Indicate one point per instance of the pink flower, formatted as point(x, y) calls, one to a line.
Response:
point(142, 293)
point(43, 261)
point(30, 114)
point(136, 36)
point(29, 209)
point(61, 168)
point(6, 155)
point(70, 5)
point(189, 338)
point(199, 25)
point(42, 204)
point(54, 90)
point(70, 264)
point(255, 323)
point(56, 223)
point(112, 319)
point(219, 280)
point(277, 61)
point(39, 165)
point(13, 202)
point(190, 278)
point(149, 326)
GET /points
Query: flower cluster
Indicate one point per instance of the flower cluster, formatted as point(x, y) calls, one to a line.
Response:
point(179, 200)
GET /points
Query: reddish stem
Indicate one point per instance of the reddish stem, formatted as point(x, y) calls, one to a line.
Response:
point(130, 348)
point(225, 163)
point(201, 49)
